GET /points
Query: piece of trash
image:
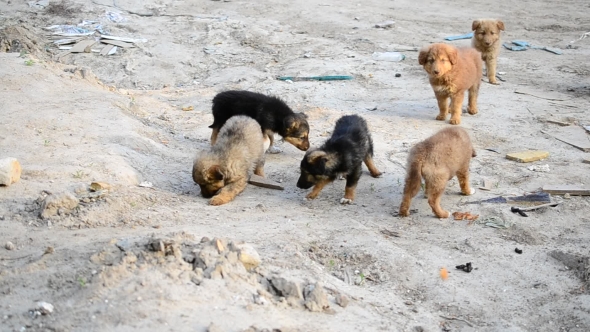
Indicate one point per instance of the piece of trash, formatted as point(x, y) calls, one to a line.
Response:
point(493, 150)
point(398, 75)
point(465, 267)
point(572, 135)
point(125, 39)
point(315, 78)
point(444, 274)
point(388, 56)
point(188, 108)
point(539, 168)
point(465, 216)
point(494, 222)
point(521, 45)
point(567, 189)
point(527, 156)
point(40, 4)
point(146, 184)
point(115, 17)
point(587, 128)
point(385, 25)
point(518, 251)
point(465, 36)
point(68, 30)
point(519, 211)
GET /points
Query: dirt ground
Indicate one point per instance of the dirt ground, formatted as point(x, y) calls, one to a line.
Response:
point(141, 258)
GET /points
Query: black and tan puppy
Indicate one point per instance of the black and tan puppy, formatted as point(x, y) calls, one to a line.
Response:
point(438, 159)
point(223, 172)
point(273, 115)
point(343, 153)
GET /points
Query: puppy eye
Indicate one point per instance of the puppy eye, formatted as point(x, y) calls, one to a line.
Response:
point(492, 33)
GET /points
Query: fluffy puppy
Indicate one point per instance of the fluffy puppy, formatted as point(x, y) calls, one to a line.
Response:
point(438, 159)
point(342, 154)
point(223, 171)
point(451, 71)
point(486, 39)
point(273, 115)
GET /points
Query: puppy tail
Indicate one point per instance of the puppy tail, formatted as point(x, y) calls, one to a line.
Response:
point(413, 179)
point(212, 126)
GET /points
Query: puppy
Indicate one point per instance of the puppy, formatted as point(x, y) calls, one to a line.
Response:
point(273, 115)
point(223, 172)
point(437, 159)
point(452, 71)
point(343, 153)
point(486, 39)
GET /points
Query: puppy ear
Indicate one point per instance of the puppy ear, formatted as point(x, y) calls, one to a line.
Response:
point(214, 172)
point(475, 25)
point(500, 25)
point(290, 122)
point(303, 115)
point(453, 55)
point(318, 159)
point(423, 56)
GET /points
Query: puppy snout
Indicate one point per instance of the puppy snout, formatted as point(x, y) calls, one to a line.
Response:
point(436, 72)
point(302, 184)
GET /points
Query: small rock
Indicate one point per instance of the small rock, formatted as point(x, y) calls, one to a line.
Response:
point(124, 245)
point(567, 196)
point(10, 171)
point(286, 288)
point(205, 239)
point(96, 186)
point(342, 300)
point(315, 298)
point(214, 328)
point(54, 203)
point(248, 256)
point(44, 308)
point(9, 246)
point(146, 184)
point(187, 108)
point(398, 75)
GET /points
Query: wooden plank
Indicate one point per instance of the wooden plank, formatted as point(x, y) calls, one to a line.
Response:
point(527, 156)
point(105, 50)
point(264, 182)
point(572, 135)
point(82, 45)
point(117, 43)
point(567, 189)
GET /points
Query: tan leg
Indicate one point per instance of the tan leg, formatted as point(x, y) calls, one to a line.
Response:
point(371, 166)
point(259, 170)
point(456, 104)
point(463, 177)
point(411, 188)
point(317, 188)
point(214, 136)
point(348, 195)
point(491, 69)
point(229, 192)
point(443, 107)
point(472, 101)
point(434, 196)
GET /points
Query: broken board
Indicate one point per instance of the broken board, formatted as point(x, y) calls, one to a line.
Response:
point(105, 50)
point(527, 156)
point(82, 45)
point(572, 135)
point(116, 43)
point(264, 182)
point(567, 189)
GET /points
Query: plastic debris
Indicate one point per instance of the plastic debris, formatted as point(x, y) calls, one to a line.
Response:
point(315, 78)
point(115, 17)
point(69, 30)
point(521, 45)
point(465, 36)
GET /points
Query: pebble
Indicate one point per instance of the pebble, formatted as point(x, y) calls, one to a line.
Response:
point(45, 308)
point(342, 300)
point(9, 246)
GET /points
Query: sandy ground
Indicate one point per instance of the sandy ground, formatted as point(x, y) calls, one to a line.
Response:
point(137, 258)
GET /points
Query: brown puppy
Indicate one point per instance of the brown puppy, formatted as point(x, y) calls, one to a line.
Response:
point(452, 71)
point(223, 171)
point(486, 39)
point(437, 159)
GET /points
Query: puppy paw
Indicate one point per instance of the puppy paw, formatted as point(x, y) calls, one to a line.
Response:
point(344, 200)
point(311, 196)
point(444, 214)
point(494, 81)
point(455, 121)
point(403, 213)
point(216, 200)
point(471, 191)
point(376, 174)
point(274, 150)
point(441, 117)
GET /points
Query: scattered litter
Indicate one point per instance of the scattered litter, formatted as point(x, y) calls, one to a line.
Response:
point(125, 39)
point(527, 156)
point(385, 25)
point(572, 135)
point(521, 45)
point(543, 95)
point(117, 43)
point(567, 189)
point(68, 31)
point(536, 207)
point(465, 216)
point(465, 267)
point(444, 274)
point(115, 17)
point(108, 50)
point(315, 78)
point(465, 36)
point(584, 35)
point(518, 251)
point(146, 184)
point(495, 222)
point(83, 46)
point(515, 209)
point(539, 168)
point(388, 56)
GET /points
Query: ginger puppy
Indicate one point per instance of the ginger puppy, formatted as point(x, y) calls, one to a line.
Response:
point(342, 154)
point(486, 39)
point(223, 171)
point(451, 72)
point(438, 159)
